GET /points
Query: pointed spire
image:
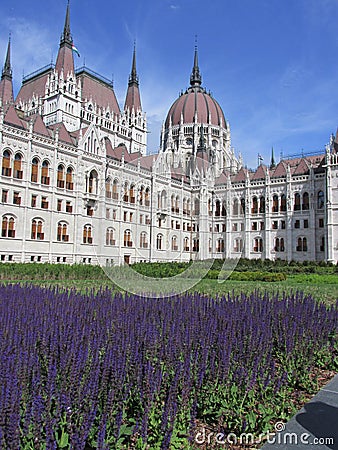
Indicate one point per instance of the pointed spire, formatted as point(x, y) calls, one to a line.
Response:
point(133, 78)
point(65, 60)
point(133, 98)
point(66, 36)
point(7, 70)
point(272, 163)
point(6, 84)
point(195, 77)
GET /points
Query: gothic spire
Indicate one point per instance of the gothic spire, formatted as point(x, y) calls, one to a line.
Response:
point(133, 78)
point(7, 70)
point(133, 97)
point(195, 77)
point(66, 36)
point(272, 163)
point(65, 60)
point(6, 83)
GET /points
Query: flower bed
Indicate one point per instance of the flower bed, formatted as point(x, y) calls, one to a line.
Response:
point(121, 371)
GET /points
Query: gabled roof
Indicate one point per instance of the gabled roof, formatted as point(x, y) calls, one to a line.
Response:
point(64, 135)
point(39, 127)
point(260, 173)
point(97, 90)
point(280, 170)
point(119, 152)
point(240, 176)
point(222, 179)
point(12, 118)
point(34, 86)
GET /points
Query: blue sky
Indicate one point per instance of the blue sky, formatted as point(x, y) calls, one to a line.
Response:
point(271, 64)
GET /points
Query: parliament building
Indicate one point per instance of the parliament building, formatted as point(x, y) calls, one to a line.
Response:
point(78, 186)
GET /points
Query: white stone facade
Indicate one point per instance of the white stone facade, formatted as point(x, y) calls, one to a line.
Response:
point(76, 186)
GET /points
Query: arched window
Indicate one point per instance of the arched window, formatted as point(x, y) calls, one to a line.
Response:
point(87, 234)
point(186, 247)
point(108, 188)
point(296, 205)
point(220, 246)
point(92, 182)
point(177, 204)
point(301, 244)
point(18, 173)
point(254, 208)
point(69, 179)
point(305, 205)
point(320, 200)
point(196, 206)
point(281, 245)
point(242, 211)
point(115, 190)
point(283, 202)
point(132, 193)
point(126, 192)
point(141, 198)
point(45, 173)
point(174, 245)
point(196, 245)
point(127, 239)
point(173, 203)
point(6, 164)
point(235, 207)
point(163, 199)
point(217, 208)
point(147, 197)
point(143, 240)
point(37, 230)
point(110, 236)
point(8, 227)
point(159, 241)
point(262, 205)
point(35, 170)
point(188, 207)
point(238, 245)
point(275, 203)
point(62, 232)
point(277, 246)
point(258, 245)
point(224, 211)
point(60, 176)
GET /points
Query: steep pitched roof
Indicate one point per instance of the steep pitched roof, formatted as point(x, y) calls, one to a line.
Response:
point(39, 126)
point(240, 176)
point(64, 135)
point(222, 179)
point(260, 173)
point(280, 170)
point(97, 90)
point(301, 168)
point(12, 118)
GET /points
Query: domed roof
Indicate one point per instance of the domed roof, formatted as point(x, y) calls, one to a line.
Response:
point(195, 99)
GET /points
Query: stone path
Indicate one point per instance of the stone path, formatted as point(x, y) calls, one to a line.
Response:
point(315, 426)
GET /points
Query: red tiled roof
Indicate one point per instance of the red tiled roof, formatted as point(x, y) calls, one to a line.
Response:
point(133, 99)
point(222, 179)
point(64, 135)
point(280, 170)
point(99, 92)
point(65, 60)
point(39, 126)
point(33, 87)
point(240, 176)
point(260, 173)
point(12, 118)
point(195, 99)
point(302, 167)
point(6, 91)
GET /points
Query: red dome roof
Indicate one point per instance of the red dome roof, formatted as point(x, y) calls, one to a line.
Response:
point(196, 99)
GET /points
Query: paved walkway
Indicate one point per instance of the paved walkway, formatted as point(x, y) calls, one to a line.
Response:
point(315, 426)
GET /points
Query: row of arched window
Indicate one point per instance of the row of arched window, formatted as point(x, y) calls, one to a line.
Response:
point(40, 171)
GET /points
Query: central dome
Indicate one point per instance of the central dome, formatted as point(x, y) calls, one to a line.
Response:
point(195, 104)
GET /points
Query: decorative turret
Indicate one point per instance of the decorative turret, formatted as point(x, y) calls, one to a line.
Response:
point(65, 60)
point(6, 83)
point(133, 98)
